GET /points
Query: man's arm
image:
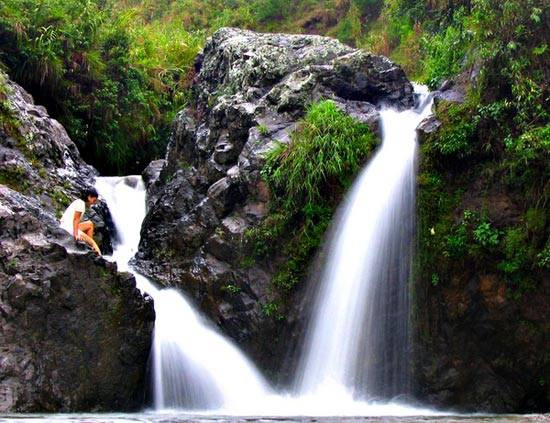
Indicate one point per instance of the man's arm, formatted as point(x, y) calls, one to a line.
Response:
point(76, 221)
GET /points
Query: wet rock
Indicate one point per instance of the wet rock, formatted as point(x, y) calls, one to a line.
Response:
point(452, 96)
point(152, 180)
point(427, 127)
point(37, 157)
point(479, 350)
point(251, 90)
point(104, 228)
point(74, 333)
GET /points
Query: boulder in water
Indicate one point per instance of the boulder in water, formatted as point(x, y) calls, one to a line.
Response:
point(251, 90)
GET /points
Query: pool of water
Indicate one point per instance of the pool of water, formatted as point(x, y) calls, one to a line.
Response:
point(185, 417)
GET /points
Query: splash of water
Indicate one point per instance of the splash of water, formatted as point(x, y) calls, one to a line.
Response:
point(194, 367)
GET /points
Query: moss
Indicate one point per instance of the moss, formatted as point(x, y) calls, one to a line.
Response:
point(472, 154)
point(14, 177)
point(232, 289)
point(60, 201)
point(273, 310)
point(263, 130)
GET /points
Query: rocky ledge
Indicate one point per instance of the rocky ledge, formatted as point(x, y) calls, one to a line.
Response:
point(250, 90)
point(74, 333)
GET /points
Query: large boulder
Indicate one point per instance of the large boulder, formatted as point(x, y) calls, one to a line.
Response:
point(74, 333)
point(37, 158)
point(251, 89)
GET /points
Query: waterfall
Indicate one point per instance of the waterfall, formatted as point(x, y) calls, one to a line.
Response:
point(356, 348)
point(358, 338)
point(193, 366)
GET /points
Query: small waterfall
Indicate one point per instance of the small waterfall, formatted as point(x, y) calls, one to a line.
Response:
point(194, 367)
point(358, 338)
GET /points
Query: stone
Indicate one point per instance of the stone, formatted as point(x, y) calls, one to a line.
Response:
point(428, 126)
point(104, 228)
point(37, 157)
point(74, 333)
point(251, 91)
point(152, 179)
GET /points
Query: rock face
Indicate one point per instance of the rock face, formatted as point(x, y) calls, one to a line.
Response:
point(481, 343)
point(480, 350)
point(250, 91)
point(37, 157)
point(74, 333)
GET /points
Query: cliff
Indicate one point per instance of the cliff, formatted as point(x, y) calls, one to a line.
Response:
point(251, 90)
point(74, 333)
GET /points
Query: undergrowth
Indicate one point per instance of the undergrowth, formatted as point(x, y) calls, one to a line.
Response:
point(307, 178)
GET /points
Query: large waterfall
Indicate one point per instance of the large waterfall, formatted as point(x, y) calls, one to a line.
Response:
point(357, 346)
point(358, 340)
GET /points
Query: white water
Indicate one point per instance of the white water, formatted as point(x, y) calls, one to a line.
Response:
point(194, 367)
point(357, 342)
point(197, 369)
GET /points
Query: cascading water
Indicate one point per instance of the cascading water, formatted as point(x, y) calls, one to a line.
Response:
point(194, 367)
point(358, 340)
point(360, 323)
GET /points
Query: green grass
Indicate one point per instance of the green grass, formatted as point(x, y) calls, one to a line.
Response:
point(308, 177)
point(326, 152)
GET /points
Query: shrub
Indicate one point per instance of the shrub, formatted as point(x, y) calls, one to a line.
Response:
point(486, 235)
point(446, 52)
point(307, 179)
point(326, 152)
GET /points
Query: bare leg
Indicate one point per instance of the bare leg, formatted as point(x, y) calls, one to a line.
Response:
point(90, 241)
point(87, 227)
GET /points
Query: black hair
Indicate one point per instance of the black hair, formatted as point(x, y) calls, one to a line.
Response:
point(88, 192)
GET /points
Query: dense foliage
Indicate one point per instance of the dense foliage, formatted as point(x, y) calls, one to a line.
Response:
point(115, 71)
point(493, 148)
point(112, 81)
point(308, 178)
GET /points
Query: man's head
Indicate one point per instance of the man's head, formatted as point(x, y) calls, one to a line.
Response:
point(89, 195)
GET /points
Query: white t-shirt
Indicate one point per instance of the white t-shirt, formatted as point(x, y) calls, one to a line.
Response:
point(68, 216)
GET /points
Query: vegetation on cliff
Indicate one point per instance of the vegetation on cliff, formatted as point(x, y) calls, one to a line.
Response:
point(308, 178)
point(496, 144)
point(114, 72)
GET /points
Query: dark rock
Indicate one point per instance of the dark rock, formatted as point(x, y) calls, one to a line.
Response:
point(74, 333)
point(104, 228)
point(446, 85)
point(481, 337)
point(37, 157)
point(427, 127)
point(151, 174)
point(152, 180)
point(251, 89)
point(477, 350)
point(451, 96)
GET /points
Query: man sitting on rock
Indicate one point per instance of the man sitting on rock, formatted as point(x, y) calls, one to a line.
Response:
point(70, 221)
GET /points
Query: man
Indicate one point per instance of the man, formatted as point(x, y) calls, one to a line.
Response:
point(70, 221)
